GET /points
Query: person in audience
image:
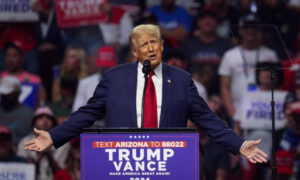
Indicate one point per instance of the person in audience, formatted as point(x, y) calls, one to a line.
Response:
point(177, 59)
point(116, 29)
point(47, 163)
point(106, 59)
point(74, 64)
point(186, 4)
point(148, 18)
point(246, 7)
point(72, 170)
point(13, 114)
point(205, 45)
point(174, 21)
point(49, 41)
point(48, 33)
point(227, 15)
point(290, 143)
point(63, 108)
point(294, 4)
point(216, 160)
point(23, 35)
point(14, 59)
point(7, 153)
point(292, 97)
point(284, 26)
point(249, 131)
point(237, 68)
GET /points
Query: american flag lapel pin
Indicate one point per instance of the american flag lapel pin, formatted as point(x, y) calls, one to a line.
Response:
point(169, 81)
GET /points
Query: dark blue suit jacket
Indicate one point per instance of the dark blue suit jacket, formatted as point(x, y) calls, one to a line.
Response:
point(115, 97)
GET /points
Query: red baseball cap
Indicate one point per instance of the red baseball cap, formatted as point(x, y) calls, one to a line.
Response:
point(5, 133)
point(106, 56)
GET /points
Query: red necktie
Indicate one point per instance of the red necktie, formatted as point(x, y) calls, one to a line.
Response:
point(150, 106)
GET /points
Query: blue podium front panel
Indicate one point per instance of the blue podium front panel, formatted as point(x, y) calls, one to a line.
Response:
point(140, 156)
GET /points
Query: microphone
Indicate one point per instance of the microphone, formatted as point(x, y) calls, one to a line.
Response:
point(146, 70)
point(146, 67)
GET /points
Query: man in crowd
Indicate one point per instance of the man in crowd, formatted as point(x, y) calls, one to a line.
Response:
point(14, 60)
point(13, 114)
point(170, 99)
point(237, 68)
point(205, 45)
point(174, 21)
point(47, 163)
point(7, 153)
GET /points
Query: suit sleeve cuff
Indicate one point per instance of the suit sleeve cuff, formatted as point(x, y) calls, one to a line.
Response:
point(242, 145)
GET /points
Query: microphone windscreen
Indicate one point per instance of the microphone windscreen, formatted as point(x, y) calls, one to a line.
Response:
point(146, 67)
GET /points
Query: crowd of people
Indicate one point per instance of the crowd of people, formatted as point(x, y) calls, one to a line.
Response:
point(48, 72)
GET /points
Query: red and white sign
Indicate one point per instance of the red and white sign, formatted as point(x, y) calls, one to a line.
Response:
point(74, 13)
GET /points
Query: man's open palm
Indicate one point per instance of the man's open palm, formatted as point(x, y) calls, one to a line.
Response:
point(252, 153)
point(41, 143)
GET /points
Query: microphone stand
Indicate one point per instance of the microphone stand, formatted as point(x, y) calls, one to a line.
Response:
point(272, 70)
point(146, 71)
point(273, 164)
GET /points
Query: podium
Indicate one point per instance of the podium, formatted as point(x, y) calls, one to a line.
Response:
point(139, 154)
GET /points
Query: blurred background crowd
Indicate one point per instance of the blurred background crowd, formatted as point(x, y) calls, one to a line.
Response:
point(48, 70)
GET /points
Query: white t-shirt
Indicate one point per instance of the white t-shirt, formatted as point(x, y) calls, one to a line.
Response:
point(233, 63)
point(85, 90)
point(294, 3)
point(117, 33)
point(201, 90)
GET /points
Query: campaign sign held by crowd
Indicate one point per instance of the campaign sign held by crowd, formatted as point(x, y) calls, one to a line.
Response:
point(74, 13)
point(17, 11)
point(140, 156)
point(17, 171)
point(255, 110)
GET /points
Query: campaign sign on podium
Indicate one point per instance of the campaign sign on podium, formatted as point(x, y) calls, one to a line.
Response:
point(140, 156)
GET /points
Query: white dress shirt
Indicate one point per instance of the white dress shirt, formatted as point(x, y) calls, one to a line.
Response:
point(157, 80)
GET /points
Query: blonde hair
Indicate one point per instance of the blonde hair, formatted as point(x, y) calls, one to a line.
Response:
point(143, 29)
point(81, 56)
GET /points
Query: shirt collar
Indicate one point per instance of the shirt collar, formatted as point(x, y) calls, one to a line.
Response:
point(157, 70)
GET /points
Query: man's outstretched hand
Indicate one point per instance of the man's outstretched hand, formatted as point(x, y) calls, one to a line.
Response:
point(252, 153)
point(41, 143)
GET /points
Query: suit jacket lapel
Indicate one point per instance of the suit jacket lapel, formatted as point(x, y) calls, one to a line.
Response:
point(167, 82)
point(130, 86)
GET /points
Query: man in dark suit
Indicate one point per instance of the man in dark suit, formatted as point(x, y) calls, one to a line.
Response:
point(174, 100)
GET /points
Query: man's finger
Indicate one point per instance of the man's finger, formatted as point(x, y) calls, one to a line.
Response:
point(258, 159)
point(29, 142)
point(262, 158)
point(31, 147)
point(252, 160)
point(257, 141)
point(36, 131)
point(260, 152)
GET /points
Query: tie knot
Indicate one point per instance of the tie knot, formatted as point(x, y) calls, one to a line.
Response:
point(151, 73)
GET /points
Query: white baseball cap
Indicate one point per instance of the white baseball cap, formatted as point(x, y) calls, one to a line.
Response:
point(9, 84)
